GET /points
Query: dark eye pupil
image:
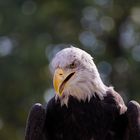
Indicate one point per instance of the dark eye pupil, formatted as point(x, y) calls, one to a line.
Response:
point(72, 65)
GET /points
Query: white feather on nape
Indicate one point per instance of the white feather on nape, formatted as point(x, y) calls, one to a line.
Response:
point(86, 82)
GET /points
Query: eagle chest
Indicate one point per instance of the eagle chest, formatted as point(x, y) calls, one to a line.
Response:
point(80, 121)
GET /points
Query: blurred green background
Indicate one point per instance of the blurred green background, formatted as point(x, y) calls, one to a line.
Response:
point(32, 31)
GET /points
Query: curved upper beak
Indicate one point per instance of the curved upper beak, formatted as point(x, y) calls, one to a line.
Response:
point(60, 79)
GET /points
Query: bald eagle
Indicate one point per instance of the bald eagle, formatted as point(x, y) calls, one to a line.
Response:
point(83, 108)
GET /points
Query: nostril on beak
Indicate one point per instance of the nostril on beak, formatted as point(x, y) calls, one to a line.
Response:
point(60, 74)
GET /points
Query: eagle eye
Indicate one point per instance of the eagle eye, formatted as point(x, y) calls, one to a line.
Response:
point(72, 65)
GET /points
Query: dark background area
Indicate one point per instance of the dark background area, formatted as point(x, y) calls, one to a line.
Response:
point(32, 31)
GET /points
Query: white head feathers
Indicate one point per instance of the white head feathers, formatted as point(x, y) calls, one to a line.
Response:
point(68, 55)
point(87, 80)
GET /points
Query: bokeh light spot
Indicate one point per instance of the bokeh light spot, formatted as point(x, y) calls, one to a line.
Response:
point(136, 53)
point(105, 69)
point(107, 23)
point(99, 48)
point(103, 2)
point(49, 93)
point(135, 14)
point(127, 35)
point(87, 38)
point(90, 13)
point(29, 7)
point(5, 46)
point(121, 65)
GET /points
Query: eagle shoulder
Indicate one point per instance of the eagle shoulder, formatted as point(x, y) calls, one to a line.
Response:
point(113, 97)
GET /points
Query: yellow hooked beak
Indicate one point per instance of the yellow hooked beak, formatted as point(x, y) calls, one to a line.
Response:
point(60, 80)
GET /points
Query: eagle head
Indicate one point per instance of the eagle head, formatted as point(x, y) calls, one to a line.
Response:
point(76, 74)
